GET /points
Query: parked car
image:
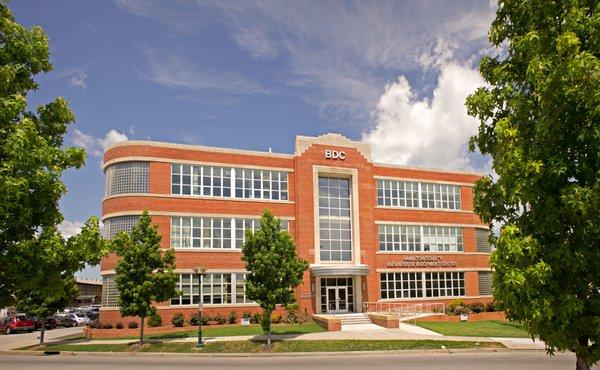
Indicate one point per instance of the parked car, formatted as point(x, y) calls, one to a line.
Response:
point(79, 318)
point(16, 323)
point(65, 320)
point(50, 323)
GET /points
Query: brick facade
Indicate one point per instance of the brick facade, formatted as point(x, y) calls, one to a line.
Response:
point(299, 209)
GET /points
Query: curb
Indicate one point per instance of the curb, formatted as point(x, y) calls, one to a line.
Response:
point(274, 354)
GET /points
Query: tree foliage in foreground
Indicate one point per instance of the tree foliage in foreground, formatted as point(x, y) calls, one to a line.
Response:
point(144, 272)
point(37, 264)
point(274, 268)
point(540, 123)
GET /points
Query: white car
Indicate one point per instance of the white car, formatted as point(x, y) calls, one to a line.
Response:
point(80, 318)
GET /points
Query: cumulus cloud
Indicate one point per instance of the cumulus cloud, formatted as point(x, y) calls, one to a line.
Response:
point(70, 228)
point(97, 146)
point(423, 132)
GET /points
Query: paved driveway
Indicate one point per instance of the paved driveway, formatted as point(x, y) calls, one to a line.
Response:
point(13, 341)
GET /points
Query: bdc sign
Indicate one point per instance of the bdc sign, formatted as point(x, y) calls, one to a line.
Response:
point(335, 154)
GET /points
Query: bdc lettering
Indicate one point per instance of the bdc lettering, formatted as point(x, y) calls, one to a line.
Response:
point(335, 154)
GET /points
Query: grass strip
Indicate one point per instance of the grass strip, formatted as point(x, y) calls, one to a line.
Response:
point(278, 346)
point(488, 328)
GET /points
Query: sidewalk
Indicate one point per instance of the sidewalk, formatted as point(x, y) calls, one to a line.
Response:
point(404, 332)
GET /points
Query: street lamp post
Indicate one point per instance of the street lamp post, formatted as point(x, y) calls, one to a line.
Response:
point(200, 271)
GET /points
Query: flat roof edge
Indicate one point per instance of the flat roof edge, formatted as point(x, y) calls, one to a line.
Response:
point(428, 169)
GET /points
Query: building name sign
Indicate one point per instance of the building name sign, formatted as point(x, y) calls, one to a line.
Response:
point(335, 154)
point(422, 262)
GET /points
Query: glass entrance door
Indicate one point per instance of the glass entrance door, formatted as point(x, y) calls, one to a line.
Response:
point(337, 299)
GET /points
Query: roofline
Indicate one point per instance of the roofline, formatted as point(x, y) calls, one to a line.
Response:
point(428, 169)
point(197, 147)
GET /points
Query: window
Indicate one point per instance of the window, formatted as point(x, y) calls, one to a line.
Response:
point(482, 240)
point(114, 225)
point(110, 294)
point(335, 220)
point(409, 238)
point(444, 284)
point(217, 181)
point(398, 285)
point(212, 232)
point(401, 285)
point(396, 193)
point(485, 282)
point(126, 178)
point(217, 288)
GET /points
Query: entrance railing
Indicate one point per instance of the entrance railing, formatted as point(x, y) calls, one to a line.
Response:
point(404, 311)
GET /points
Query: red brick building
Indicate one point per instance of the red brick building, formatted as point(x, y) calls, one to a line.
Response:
point(372, 232)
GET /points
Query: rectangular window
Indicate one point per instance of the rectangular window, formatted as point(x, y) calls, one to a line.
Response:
point(126, 178)
point(335, 221)
point(114, 225)
point(402, 285)
point(110, 294)
point(227, 182)
point(212, 232)
point(214, 288)
point(413, 194)
point(485, 282)
point(409, 238)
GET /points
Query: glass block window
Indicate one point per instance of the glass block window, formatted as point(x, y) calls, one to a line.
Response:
point(396, 285)
point(113, 225)
point(444, 284)
point(126, 178)
point(399, 285)
point(412, 194)
point(482, 240)
point(485, 282)
point(409, 238)
point(228, 182)
point(110, 294)
point(212, 232)
point(335, 221)
point(215, 288)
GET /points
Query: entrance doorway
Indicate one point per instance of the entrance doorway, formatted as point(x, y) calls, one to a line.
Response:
point(337, 295)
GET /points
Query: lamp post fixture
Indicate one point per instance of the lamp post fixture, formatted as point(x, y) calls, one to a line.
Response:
point(200, 271)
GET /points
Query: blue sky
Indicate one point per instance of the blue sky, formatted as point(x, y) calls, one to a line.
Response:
point(253, 75)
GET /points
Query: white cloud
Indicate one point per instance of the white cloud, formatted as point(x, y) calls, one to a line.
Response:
point(434, 133)
point(97, 146)
point(76, 76)
point(70, 228)
point(177, 72)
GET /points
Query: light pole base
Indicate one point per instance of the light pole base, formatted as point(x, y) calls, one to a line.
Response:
point(200, 342)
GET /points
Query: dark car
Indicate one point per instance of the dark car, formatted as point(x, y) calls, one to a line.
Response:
point(65, 320)
point(13, 324)
point(50, 323)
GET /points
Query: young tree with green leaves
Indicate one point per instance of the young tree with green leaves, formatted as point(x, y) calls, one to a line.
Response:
point(37, 264)
point(57, 262)
point(144, 272)
point(274, 268)
point(540, 123)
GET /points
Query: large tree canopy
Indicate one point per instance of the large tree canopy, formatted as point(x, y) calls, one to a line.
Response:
point(32, 156)
point(540, 123)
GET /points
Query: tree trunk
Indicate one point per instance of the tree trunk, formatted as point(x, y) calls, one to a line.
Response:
point(42, 331)
point(581, 364)
point(142, 331)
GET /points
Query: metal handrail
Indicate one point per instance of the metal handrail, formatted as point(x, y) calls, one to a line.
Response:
point(404, 310)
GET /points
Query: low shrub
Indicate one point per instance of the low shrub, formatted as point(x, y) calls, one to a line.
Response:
point(94, 325)
point(194, 320)
point(206, 319)
point(477, 307)
point(133, 324)
point(304, 317)
point(178, 320)
point(276, 318)
point(220, 319)
point(107, 325)
point(461, 310)
point(455, 303)
point(232, 318)
point(292, 313)
point(255, 319)
point(154, 320)
point(246, 314)
point(119, 325)
point(490, 307)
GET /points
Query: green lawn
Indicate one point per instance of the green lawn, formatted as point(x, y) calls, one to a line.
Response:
point(232, 330)
point(491, 328)
point(279, 346)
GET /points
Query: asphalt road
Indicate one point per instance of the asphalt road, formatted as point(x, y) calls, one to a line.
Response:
point(460, 361)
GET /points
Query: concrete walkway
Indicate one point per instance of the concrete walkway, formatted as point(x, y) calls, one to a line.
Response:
point(404, 332)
